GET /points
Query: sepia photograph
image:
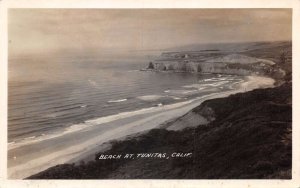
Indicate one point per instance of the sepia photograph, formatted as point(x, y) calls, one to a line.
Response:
point(149, 93)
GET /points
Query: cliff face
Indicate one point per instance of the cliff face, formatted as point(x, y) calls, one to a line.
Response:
point(229, 64)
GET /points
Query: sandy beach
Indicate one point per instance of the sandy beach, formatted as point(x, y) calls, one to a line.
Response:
point(27, 159)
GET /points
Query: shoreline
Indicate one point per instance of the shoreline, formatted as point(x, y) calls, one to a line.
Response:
point(238, 135)
point(94, 137)
point(250, 83)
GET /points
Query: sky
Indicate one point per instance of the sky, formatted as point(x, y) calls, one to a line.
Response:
point(44, 31)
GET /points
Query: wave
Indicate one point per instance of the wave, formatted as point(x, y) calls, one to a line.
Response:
point(216, 84)
point(219, 78)
point(31, 137)
point(204, 86)
point(96, 122)
point(102, 120)
point(182, 91)
point(150, 97)
point(198, 86)
point(115, 101)
point(205, 80)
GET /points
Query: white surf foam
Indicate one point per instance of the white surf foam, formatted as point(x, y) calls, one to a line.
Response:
point(198, 86)
point(216, 84)
point(176, 98)
point(106, 119)
point(183, 91)
point(150, 97)
point(115, 101)
point(94, 122)
point(101, 120)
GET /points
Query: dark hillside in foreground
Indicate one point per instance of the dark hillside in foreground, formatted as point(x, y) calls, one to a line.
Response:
point(250, 138)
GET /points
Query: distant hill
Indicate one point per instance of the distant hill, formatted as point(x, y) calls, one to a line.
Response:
point(238, 58)
point(233, 47)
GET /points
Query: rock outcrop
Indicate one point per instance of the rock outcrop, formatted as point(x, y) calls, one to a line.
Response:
point(227, 64)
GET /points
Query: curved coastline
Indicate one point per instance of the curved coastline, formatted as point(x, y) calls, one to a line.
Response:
point(66, 148)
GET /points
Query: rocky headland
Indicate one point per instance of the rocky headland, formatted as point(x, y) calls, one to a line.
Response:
point(235, 61)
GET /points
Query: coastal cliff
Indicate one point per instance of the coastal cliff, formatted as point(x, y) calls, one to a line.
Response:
point(236, 64)
point(249, 61)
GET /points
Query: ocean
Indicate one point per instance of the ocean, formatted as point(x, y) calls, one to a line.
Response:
point(47, 96)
